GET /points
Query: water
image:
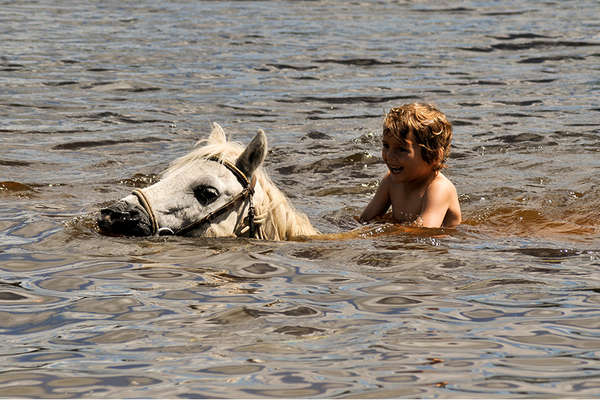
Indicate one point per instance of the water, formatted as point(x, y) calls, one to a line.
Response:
point(97, 98)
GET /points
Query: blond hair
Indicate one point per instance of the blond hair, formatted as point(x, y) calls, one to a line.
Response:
point(429, 126)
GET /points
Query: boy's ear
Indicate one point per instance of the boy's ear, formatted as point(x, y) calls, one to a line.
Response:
point(439, 159)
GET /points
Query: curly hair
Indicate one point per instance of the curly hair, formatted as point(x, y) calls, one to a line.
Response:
point(430, 127)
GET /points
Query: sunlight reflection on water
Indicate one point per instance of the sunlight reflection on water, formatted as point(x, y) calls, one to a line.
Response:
point(98, 98)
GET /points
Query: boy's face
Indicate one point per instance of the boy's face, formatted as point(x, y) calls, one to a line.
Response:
point(403, 159)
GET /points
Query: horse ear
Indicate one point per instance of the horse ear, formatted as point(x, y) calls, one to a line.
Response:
point(217, 134)
point(254, 155)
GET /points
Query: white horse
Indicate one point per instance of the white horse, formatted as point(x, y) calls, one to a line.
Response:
point(219, 189)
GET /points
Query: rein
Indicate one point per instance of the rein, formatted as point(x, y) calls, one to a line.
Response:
point(245, 194)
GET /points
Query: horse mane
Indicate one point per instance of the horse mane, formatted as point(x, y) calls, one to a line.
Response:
point(281, 221)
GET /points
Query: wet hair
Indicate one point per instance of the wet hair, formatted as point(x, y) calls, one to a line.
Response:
point(431, 130)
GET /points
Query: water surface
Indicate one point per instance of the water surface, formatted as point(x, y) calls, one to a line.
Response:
point(97, 99)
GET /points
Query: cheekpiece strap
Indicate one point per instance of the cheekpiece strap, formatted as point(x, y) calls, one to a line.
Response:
point(247, 192)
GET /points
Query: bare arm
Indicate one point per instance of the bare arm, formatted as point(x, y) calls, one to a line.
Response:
point(440, 206)
point(380, 202)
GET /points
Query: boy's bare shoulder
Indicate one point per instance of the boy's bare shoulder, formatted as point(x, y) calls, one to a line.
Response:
point(441, 184)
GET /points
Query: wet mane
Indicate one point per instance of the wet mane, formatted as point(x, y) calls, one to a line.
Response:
point(280, 220)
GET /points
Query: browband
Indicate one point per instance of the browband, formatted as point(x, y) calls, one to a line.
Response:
point(241, 177)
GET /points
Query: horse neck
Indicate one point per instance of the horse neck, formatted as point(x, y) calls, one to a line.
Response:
point(282, 221)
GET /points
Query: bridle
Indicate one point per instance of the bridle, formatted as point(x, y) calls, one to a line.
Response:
point(246, 194)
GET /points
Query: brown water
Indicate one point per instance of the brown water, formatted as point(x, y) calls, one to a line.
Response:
point(96, 99)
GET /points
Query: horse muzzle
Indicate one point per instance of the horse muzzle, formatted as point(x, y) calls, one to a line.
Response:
point(124, 219)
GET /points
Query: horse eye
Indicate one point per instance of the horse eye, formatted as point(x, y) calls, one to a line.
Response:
point(206, 194)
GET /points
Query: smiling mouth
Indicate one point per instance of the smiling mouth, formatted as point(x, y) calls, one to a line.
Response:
point(396, 170)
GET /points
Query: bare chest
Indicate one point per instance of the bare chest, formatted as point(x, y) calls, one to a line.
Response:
point(406, 207)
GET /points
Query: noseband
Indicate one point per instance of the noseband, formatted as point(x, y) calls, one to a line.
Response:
point(245, 194)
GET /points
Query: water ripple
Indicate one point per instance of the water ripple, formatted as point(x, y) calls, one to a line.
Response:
point(98, 98)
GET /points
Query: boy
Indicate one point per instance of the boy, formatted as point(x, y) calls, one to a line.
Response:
point(416, 144)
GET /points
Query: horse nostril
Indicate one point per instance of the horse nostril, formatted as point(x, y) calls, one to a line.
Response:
point(113, 214)
point(107, 214)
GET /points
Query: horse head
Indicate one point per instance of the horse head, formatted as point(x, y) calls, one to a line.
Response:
point(216, 190)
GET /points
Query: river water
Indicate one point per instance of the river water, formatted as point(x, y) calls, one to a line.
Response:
point(96, 98)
